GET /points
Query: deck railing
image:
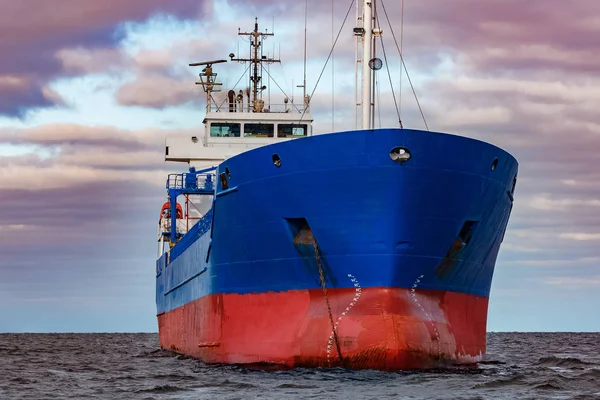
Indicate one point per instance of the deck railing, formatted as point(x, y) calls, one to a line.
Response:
point(268, 108)
point(191, 181)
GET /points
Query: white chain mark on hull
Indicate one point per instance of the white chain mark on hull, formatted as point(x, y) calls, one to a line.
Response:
point(357, 294)
point(429, 317)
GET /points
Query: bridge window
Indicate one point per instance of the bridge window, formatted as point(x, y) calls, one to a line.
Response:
point(291, 130)
point(259, 130)
point(224, 129)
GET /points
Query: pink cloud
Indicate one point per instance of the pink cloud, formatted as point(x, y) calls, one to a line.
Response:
point(157, 92)
point(41, 20)
point(88, 178)
point(34, 31)
point(80, 60)
point(504, 35)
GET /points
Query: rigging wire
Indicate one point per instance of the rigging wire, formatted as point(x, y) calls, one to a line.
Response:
point(284, 76)
point(332, 70)
point(193, 205)
point(387, 66)
point(282, 91)
point(328, 57)
point(405, 69)
point(378, 91)
point(401, 50)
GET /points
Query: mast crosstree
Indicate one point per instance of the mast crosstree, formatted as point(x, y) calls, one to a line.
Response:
point(257, 59)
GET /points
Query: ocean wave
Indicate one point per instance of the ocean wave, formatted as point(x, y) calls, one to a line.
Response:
point(161, 389)
point(567, 362)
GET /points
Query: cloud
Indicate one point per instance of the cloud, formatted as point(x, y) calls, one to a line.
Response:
point(12, 81)
point(559, 263)
point(39, 30)
point(546, 203)
point(501, 35)
point(163, 77)
point(16, 227)
point(156, 91)
point(80, 186)
point(66, 176)
point(153, 60)
point(81, 135)
point(80, 60)
point(574, 282)
point(79, 212)
point(481, 116)
point(581, 236)
point(69, 155)
point(18, 92)
point(71, 216)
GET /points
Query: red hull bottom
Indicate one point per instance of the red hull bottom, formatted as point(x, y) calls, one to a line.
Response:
point(376, 328)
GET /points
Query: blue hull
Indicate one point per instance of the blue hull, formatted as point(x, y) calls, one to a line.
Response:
point(435, 222)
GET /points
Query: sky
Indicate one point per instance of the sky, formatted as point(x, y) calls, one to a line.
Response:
point(90, 90)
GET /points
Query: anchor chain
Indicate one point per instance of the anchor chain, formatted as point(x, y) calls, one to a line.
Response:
point(324, 286)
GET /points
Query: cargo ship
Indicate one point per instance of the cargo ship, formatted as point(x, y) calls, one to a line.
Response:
point(372, 248)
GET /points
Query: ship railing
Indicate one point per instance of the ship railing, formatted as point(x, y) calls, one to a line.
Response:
point(268, 108)
point(191, 181)
point(165, 226)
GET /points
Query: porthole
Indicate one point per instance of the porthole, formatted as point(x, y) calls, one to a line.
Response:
point(494, 164)
point(400, 154)
point(276, 160)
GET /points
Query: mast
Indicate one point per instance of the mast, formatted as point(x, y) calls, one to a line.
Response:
point(256, 39)
point(357, 63)
point(366, 70)
point(208, 79)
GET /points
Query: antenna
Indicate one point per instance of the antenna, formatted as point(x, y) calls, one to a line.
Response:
point(256, 39)
point(303, 86)
point(208, 79)
point(305, 21)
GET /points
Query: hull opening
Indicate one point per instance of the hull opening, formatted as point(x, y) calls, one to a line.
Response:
point(457, 248)
point(303, 241)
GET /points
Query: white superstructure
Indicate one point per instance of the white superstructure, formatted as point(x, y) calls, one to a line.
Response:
point(242, 121)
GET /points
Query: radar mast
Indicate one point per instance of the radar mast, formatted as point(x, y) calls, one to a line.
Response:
point(208, 79)
point(256, 58)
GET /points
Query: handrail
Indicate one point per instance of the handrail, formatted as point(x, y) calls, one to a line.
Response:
point(272, 108)
point(191, 181)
